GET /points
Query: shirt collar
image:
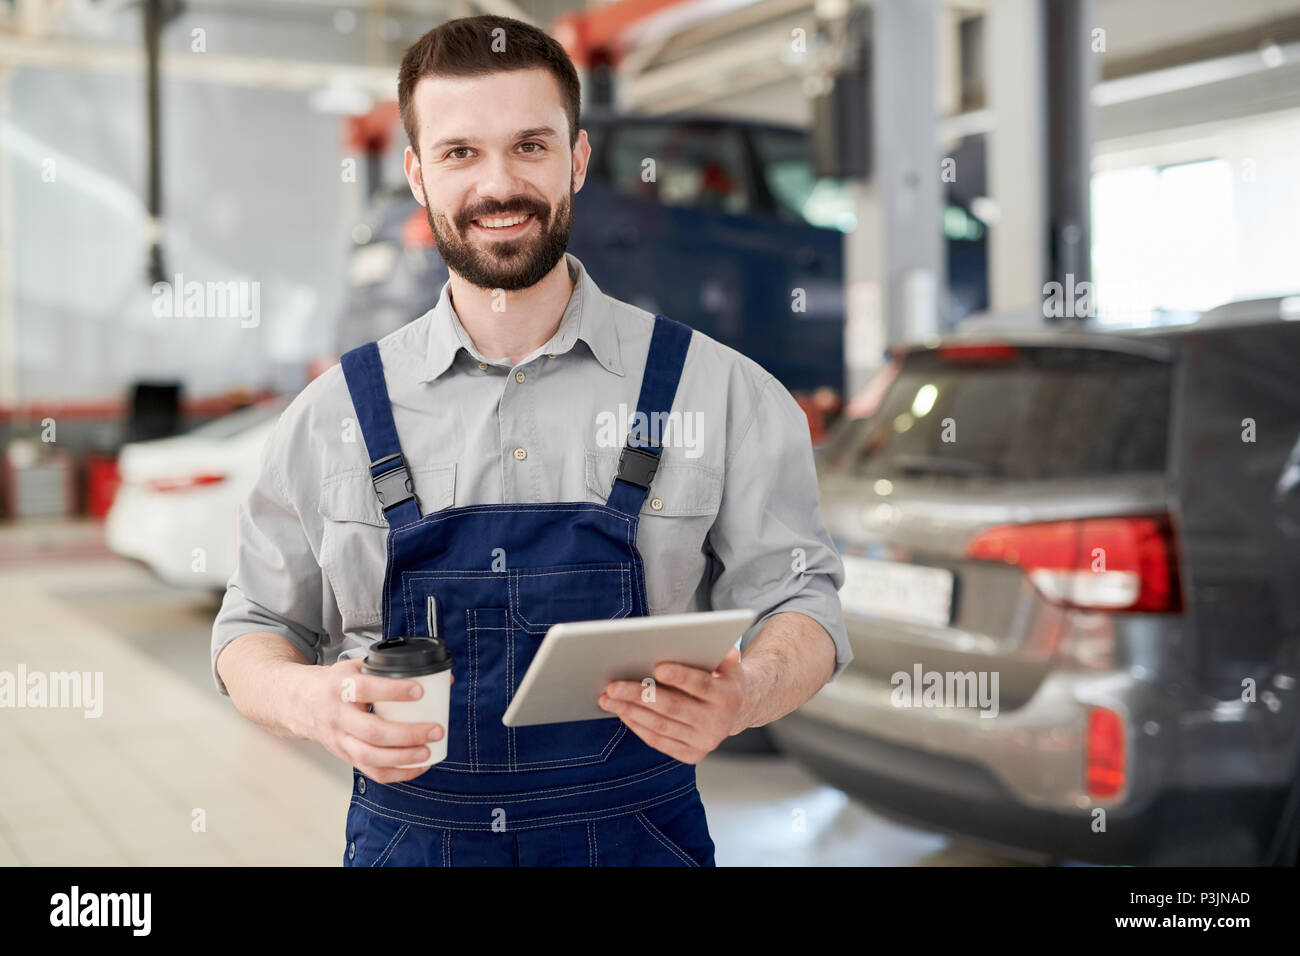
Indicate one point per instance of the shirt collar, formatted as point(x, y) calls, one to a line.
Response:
point(588, 317)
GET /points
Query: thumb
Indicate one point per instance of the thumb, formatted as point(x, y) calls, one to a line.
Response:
point(730, 663)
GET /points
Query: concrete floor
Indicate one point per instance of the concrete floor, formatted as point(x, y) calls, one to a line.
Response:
point(172, 774)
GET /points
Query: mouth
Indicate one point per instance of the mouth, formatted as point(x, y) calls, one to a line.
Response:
point(503, 227)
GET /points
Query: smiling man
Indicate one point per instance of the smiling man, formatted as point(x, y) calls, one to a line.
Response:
point(462, 465)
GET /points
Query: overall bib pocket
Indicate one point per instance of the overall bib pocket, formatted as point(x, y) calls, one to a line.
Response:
point(474, 621)
point(545, 596)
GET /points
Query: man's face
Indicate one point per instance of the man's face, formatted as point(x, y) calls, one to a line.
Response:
point(496, 174)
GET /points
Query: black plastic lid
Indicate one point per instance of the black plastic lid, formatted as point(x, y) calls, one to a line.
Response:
point(407, 657)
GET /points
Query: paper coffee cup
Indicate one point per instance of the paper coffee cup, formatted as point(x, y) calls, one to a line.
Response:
point(427, 661)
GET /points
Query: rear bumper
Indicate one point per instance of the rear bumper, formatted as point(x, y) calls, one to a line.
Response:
point(1017, 780)
point(959, 798)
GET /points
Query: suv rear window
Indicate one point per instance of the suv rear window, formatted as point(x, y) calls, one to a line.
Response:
point(1017, 414)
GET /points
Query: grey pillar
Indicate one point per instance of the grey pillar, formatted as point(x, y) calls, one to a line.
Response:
point(894, 260)
point(1041, 70)
point(1072, 70)
point(1017, 154)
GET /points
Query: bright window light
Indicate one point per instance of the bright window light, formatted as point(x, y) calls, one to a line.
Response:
point(1162, 239)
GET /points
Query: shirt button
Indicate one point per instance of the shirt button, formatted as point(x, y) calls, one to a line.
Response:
point(656, 504)
point(520, 454)
point(550, 355)
point(482, 366)
point(352, 851)
point(361, 784)
point(519, 376)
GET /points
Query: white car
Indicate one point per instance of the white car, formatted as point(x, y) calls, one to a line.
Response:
point(175, 508)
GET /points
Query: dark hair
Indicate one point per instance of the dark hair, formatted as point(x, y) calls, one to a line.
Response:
point(467, 46)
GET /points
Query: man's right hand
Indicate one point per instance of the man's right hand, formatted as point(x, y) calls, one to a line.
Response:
point(332, 710)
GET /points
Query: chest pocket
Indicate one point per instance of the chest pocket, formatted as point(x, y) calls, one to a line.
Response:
point(538, 599)
point(354, 540)
point(678, 511)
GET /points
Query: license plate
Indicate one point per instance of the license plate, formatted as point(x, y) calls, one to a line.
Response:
point(899, 592)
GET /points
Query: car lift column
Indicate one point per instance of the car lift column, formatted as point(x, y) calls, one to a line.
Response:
point(1041, 73)
point(894, 260)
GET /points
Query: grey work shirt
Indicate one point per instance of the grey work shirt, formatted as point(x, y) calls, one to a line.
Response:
point(731, 520)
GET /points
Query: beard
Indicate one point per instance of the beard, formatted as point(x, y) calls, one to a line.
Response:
point(499, 263)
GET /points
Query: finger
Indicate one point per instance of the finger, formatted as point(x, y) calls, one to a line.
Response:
point(691, 680)
point(667, 700)
point(367, 688)
point(390, 774)
point(665, 745)
point(653, 721)
point(730, 664)
point(362, 752)
point(388, 733)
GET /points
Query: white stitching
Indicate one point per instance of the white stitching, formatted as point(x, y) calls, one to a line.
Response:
point(512, 508)
point(545, 793)
point(663, 839)
point(409, 577)
point(511, 754)
point(621, 567)
point(382, 859)
point(486, 766)
point(472, 633)
point(534, 822)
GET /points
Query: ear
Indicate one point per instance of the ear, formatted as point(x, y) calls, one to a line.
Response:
point(581, 157)
point(414, 174)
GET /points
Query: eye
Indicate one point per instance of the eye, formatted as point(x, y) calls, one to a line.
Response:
point(538, 145)
point(459, 149)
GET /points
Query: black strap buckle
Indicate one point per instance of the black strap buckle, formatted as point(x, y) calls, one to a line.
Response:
point(395, 486)
point(637, 467)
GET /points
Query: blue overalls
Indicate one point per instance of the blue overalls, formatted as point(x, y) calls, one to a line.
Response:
point(587, 793)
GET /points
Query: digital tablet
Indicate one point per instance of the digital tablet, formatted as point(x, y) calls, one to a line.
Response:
point(576, 660)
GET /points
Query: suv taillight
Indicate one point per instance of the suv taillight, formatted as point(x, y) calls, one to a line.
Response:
point(1105, 766)
point(1114, 564)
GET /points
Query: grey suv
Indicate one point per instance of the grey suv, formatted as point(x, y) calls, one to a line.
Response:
point(1073, 591)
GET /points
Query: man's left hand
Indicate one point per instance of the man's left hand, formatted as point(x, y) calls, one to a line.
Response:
point(686, 712)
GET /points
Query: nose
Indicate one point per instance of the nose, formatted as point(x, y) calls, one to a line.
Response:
point(497, 181)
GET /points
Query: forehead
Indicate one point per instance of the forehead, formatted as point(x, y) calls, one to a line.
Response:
point(494, 105)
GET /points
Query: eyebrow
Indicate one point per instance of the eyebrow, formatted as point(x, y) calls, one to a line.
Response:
point(534, 132)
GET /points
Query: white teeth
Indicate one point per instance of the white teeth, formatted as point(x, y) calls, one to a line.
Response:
point(501, 223)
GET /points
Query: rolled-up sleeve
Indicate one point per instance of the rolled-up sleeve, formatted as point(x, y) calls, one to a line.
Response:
point(276, 585)
point(772, 548)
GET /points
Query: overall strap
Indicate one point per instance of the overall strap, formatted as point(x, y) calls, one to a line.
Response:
point(640, 458)
point(364, 373)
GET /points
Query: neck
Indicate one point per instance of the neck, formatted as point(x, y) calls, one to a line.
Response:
point(513, 325)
